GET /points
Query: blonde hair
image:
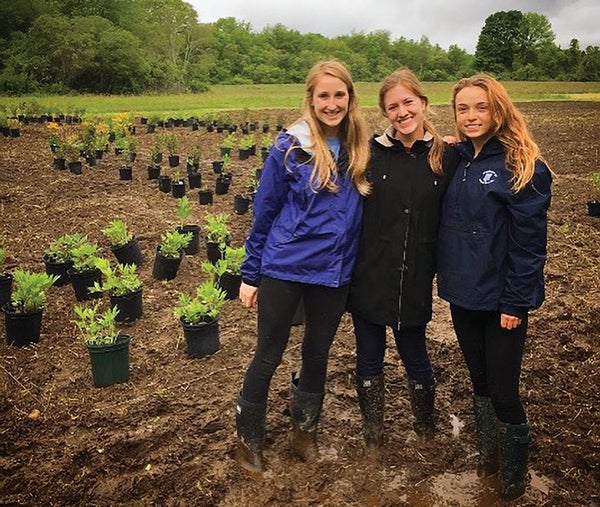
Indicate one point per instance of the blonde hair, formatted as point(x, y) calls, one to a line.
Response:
point(509, 127)
point(352, 133)
point(406, 78)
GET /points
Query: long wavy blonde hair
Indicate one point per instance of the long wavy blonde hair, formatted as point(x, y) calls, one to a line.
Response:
point(353, 133)
point(406, 78)
point(509, 127)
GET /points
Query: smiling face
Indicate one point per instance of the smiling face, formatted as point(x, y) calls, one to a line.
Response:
point(473, 115)
point(406, 113)
point(330, 100)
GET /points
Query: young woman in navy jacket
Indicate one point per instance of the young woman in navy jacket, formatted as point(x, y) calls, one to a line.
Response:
point(491, 256)
point(409, 170)
point(302, 245)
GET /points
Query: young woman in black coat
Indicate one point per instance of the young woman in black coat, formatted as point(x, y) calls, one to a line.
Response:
point(391, 286)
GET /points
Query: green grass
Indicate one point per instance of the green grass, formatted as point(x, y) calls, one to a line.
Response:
point(289, 96)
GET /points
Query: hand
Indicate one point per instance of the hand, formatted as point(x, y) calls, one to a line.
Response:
point(448, 139)
point(248, 295)
point(508, 321)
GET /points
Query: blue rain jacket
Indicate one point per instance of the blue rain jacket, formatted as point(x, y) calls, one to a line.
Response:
point(299, 234)
point(492, 241)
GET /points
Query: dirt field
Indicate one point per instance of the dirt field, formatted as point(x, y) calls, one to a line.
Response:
point(167, 436)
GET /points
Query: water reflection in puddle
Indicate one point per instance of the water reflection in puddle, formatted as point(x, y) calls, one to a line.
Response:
point(467, 490)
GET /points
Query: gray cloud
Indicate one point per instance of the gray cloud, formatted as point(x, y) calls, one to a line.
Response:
point(458, 22)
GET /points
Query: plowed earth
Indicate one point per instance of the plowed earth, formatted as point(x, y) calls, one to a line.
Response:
point(166, 437)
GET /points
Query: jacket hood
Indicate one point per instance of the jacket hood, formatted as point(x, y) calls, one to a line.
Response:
point(301, 131)
point(385, 139)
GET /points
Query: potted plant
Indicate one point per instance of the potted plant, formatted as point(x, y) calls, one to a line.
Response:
point(594, 205)
point(124, 288)
point(123, 244)
point(199, 318)
point(172, 143)
point(205, 196)
point(72, 150)
point(58, 257)
point(217, 235)
point(169, 254)
point(193, 168)
point(164, 180)
point(226, 272)
point(6, 279)
point(246, 145)
point(184, 209)
point(84, 272)
point(23, 314)
point(14, 127)
point(266, 143)
point(223, 180)
point(227, 144)
point(153, 121)
point(107, 347)
point(156, 155)
point(177, 184)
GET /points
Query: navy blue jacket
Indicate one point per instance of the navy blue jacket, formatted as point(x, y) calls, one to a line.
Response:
point(492, 241)
point(299, 234)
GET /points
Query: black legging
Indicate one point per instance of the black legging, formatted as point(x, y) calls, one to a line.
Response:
point(277, 303)
point(493, 356)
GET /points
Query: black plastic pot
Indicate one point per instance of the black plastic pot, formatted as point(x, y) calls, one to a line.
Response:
point(22, 328)
point(205, 196)
point(201, 340)
point(165, 268)
point(178, 188)
point(82, 282)
point(5, 288)
point(129, 253)
point(194, 245)
point(230, 284)
point(58, 268)
point(129, 306)
point(593, 208)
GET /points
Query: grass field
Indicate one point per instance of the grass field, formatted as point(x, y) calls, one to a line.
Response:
point(255, 97)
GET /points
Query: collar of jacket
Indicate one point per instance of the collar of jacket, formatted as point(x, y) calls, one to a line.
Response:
point(492, 147)
point(301, 131)
point(387, 140)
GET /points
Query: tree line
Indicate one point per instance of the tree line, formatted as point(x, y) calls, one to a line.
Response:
point(141, 46)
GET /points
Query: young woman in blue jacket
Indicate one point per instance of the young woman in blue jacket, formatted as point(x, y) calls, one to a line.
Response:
point(492, 251)
point(392, 282)
point(302, 245)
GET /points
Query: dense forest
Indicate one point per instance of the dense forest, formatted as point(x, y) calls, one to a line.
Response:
point(135, 46)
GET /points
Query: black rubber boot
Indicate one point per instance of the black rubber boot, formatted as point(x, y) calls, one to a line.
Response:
point(371, 399)
point(513, 441)
point(486, 426)
point(250, 426)
point(305, 409)
point(422, 400)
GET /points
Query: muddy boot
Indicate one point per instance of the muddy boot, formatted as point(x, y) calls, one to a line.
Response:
point(422, 396)
point(513, 443)
point(487, 436)
point(371, 399)
point(305, 409)
point(250, 426)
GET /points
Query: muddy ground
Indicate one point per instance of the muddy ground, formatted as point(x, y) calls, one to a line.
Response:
point(166, 437)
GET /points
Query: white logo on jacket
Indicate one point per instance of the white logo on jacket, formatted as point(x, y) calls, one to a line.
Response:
point(488, 177)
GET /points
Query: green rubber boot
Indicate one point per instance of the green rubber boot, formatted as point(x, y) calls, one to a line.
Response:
point(422, 400)
point(514, 451)
point(305, 409)
point(487, 436)
point(250, 426)
point(371, 399)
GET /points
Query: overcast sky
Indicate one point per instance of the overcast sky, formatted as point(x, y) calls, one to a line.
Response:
point(443, 22)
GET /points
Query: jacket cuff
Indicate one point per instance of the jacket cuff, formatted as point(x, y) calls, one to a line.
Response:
point(253, 283)
point(514, 311)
